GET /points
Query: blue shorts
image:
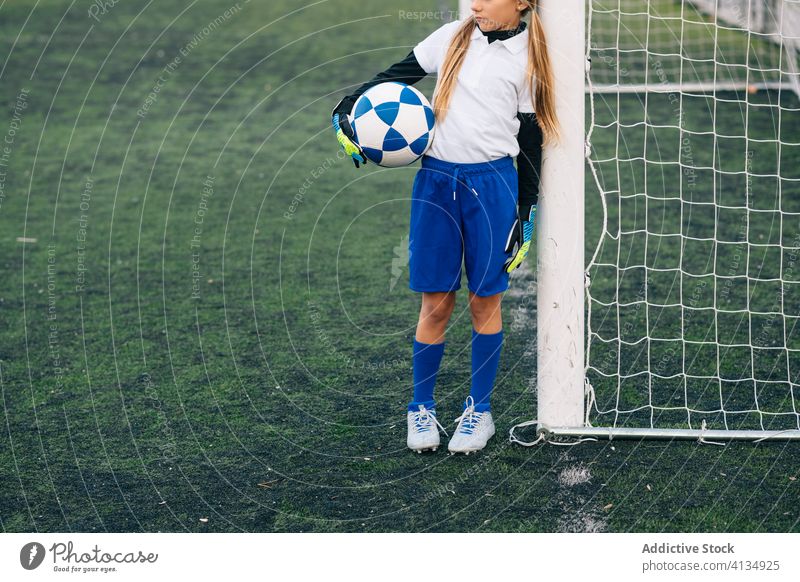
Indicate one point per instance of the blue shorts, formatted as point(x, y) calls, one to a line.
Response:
point(461, 211)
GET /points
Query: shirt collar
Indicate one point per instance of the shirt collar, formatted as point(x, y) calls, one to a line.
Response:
point(514, 44)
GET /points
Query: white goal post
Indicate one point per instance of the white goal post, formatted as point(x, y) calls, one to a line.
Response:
point(683, 320)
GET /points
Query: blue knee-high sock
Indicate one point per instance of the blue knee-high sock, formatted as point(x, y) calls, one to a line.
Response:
point(486, 348)
point(426, 360)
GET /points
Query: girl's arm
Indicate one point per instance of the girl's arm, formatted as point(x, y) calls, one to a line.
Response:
point(407, 71)
point(529, 162)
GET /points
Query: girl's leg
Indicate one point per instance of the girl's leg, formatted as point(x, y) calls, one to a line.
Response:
point(486, 313)
point(429, 345)
point(434, 315)
point(487, 343)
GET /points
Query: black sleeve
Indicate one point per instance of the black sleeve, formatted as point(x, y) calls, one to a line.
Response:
point(407, 71)
point(529, 160)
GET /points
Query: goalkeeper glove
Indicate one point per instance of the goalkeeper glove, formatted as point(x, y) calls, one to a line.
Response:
point(519, 238)
point(344, 135)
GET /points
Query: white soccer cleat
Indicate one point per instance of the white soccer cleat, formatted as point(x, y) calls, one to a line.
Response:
point(474, 430)
point(423, 433)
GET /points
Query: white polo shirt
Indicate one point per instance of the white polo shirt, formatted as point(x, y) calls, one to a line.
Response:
point(481, 124)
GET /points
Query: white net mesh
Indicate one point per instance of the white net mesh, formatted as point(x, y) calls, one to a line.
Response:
point(701, 45)
point(694, 294)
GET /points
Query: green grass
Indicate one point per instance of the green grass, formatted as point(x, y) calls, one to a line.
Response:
point(291, 367)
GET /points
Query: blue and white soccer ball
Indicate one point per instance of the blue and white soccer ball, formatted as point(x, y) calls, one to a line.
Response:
point(393, 123)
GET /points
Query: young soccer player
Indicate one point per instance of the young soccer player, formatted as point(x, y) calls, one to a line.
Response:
point(493, 101)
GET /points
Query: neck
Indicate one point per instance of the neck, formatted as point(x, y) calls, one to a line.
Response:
point(504, 33)
point(511, 26)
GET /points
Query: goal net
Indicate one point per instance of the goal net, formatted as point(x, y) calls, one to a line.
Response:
point(694, 288)
point(699, 46)
point(692, 292)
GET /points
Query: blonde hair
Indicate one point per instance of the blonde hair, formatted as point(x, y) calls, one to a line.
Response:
point(542, 95)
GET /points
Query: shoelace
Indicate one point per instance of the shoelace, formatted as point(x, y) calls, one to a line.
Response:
point(422, 419)
point(471, 419)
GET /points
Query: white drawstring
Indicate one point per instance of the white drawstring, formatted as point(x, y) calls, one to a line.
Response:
point(466, 181)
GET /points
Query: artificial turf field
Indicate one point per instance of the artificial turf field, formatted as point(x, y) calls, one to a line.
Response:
point(207, 325)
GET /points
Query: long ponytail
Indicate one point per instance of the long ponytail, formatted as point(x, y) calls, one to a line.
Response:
point(539, 67)
point(446, 83)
